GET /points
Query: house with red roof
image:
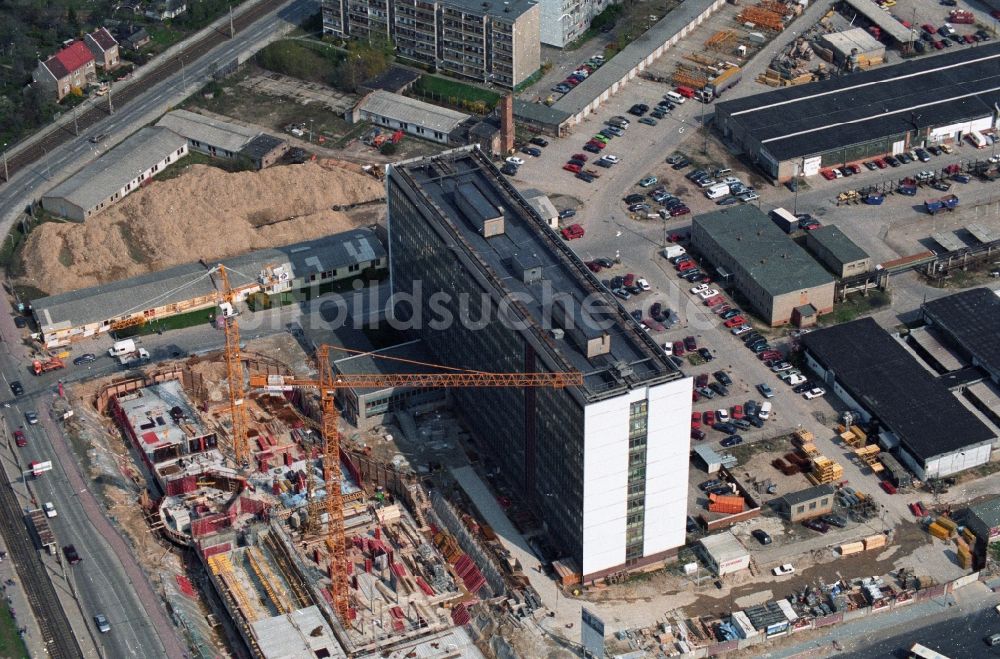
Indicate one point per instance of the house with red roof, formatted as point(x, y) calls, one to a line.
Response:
point(73, 66)
point(103, 47)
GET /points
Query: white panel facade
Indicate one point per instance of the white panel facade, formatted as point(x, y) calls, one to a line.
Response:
point(952, 463)
point(944, 132)
point(667, 462)
point(605, 479)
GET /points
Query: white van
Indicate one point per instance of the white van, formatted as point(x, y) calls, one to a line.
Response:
point(717, 191)
point(765, 410)
point(674, 97)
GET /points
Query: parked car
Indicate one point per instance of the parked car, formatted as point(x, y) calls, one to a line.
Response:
point(648, 182)
point(17, 388)
point(818, 392)
point(761, 536)
point(834, 520)
point(732, 440)
point(765, 390)
point(539, 141)
point(782, 570)
point(572, 232)
point(817, 525)
point(723, 378)
point(20, 438)
point(50, 510)
point(31, 417)
point(690, 343)
point(102, 623)
point(706, 354)
point(85, 358)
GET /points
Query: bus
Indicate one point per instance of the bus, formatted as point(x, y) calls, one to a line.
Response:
point(922, 652)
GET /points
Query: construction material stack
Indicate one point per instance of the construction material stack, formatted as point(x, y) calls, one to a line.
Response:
point(825, 471)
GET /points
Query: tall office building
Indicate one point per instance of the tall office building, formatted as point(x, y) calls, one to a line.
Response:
point(605, 465)
point(491, 41)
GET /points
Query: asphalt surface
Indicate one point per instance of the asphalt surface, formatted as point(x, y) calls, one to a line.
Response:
point(34, 179)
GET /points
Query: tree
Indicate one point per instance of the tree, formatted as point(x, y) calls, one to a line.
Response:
point(388, 149)
point(363, 61)
point(73, 21)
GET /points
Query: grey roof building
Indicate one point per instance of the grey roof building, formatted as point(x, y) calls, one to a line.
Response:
point(510, 296)
point(984, 519)
point(411, 115)
point(970, 322)
point(837, 252)
point(810, 502)
point(762, 262)
point(115, 174)
point(206, 134)
point(68, 316)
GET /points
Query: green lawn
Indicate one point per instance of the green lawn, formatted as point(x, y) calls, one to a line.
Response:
point(454, 92)
point(11, 644)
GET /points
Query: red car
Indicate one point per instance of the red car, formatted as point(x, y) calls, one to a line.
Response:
point(570, 167)
point(597, 144)
point(735, 321)
point(737, 412)
point(594, 266)
point(679, 348)
point(19, 438)
point(969, 38)
point(828, 174)
point(856, 168)
point(629, 279)
point(718, 311)
point(888, 487)
point(712, 301)
point(675, 237)
point(579, 156)
point(709, 418)
point(572, 232)
point(938, 45)
point(695, 396)
point(928, 28)
point(684, 265)
point(677, 211)
point(695, 420)
point(881, 164)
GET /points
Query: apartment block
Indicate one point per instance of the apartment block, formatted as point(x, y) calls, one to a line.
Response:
point(488, 42)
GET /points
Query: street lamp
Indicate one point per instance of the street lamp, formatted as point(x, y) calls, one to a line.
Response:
point(6, 175)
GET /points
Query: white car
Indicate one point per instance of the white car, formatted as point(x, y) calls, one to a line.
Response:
point(668, 349)
point(50, 510)
point(782, 570)
point(796, 379)
point(514, 160)
point(818, 392)
point(711, 292)
point(749, 196)
point(611, 158)
point(643, 284)
point(742, 329)
point(721, 416)
point(695, 290)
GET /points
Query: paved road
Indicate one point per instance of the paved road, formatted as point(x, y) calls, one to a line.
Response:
point(32, 181)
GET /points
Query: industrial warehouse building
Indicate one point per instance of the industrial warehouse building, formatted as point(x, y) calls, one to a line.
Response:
point(970, 322)
point(604, 465)
point(410, 115)
point(929, 100)
point(224, 139)
point(724, 553)
point(118, 172)
point(778, 278)
point(187, 288)
point(916, 416)
point(837, 252)
point(853, 48)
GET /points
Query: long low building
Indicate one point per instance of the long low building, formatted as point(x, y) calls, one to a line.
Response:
point(970, 322)
point(915, 415)
point(929, 100)
point(410, 115)
point(68, 317)
point(224, 139)
point(779, 279)
point(117, 173)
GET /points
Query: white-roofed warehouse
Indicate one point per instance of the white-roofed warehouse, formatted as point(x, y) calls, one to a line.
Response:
point(118, 172)
point(410, 115)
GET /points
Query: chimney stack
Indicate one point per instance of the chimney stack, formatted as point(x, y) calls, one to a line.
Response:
point(507, 123)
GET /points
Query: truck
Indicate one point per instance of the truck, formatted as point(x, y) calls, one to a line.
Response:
point(40, 524)
point(122, 348)
point(40, 366)
point(670, 251)
point(785, 220)
point(949, 203)
point(724, 81)
point(134, 358)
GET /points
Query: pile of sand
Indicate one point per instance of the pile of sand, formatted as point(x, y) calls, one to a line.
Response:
point(206, 213)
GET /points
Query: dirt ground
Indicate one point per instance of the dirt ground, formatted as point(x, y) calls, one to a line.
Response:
point(206, 213)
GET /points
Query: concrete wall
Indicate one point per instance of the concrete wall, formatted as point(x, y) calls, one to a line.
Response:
point(606, 469)
point(527, 56)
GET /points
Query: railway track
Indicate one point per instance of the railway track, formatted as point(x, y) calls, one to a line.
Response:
point(52, 621)
point(125, 92)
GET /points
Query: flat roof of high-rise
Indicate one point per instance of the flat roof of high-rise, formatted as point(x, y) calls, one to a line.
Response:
point(891, 100)
point(528, 244)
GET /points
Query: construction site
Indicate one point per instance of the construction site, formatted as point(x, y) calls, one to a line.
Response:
point(313, 546)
